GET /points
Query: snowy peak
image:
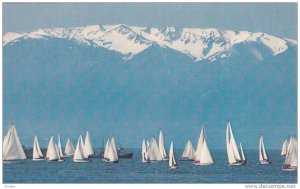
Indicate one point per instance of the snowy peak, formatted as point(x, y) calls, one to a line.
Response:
point(198, 43)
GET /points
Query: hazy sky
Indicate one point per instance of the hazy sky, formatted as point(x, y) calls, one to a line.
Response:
point(279, 19)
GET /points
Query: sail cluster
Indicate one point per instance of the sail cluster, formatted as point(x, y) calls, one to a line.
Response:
point(202, 154)
point(189, 151)
point(110, 151)
point(151, 151)
point(12, 148)
point(291, 158)
point(83, 149)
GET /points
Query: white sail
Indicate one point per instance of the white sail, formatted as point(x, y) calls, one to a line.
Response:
point(189, 151)
point(148, 144)
point(112, 155)
point(5, 141)
point(284, 147)
point(153, 151)
point(36, 150)
point(79, 154)
point(60, 153)
point(69, 150)
point(172, 162)
point(262, 152)
point(52, 154)
point(144, 152)
point(291, 158)
point(202, 154)
point(161, 146)
point(242, 152)
point(232, 152)
point(106, 149)
point(13, 149)
point(88, 144)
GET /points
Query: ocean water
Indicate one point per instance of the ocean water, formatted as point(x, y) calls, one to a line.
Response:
point(133, 171)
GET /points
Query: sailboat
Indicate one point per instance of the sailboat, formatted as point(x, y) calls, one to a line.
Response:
point(12, 150)
point(69, 150)
point(244, 161)
point(161, 146)
point(153, 152)
point(291, 158)
point(233, 155)
point(263, 158)
point(144, 152)
point(172, 162)
point(284, 148)
point(37, 154)
point(110, 152)
point(189, 152)
point(88, 145)
point(59, 151)
point(79, 155)
point(52, 153)
point(202, 154)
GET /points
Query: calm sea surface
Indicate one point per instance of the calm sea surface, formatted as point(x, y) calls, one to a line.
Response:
point(133, 171)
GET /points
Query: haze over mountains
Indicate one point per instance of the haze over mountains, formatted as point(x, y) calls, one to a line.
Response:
point(129, 82)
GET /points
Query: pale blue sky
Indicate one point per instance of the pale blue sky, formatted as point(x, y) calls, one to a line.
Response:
point(279, 19)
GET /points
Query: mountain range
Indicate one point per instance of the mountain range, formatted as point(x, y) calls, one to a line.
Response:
point(130, 82)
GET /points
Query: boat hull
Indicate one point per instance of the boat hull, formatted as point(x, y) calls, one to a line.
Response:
point(81, 160)
point(173, 167)
point(40, 159)
point(265, 162)
point(202, 164)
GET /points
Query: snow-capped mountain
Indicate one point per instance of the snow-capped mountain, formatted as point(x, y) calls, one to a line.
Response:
point(200, 44)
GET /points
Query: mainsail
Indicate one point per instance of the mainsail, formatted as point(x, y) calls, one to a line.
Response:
point(262, 152)
point(161, 146)
point(231, 147)
point(144, 152)
point(60, 153)
point(79, 155)
point(36, 150)
point(172, 162)
point(202, 154)
point(69, 150)
point(12, 147)
point(112, 155)
point(88, 144)
point(189, 151)
point(242, 152)
point(52, 153)
point(284, 148)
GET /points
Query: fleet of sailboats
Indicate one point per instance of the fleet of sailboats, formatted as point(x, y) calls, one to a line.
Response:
point(151, 151)
point(189, 152)
point(202, 154)
point(263, 157)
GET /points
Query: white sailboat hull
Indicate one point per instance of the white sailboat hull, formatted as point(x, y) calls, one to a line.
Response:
point(38, 159)
point(108, 161)
point(173, 167)
point(204, 164)
point(80, 160)
point(235, 164)
point(290, 169)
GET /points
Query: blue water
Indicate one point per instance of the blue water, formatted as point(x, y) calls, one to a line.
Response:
point(133, 171)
